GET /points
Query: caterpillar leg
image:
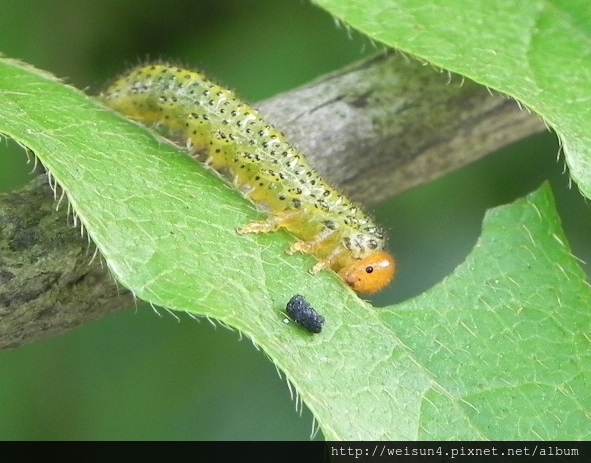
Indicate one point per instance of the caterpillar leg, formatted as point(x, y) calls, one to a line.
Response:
point(324, 239)
point(329, 262)
point(310, 247)
point(273, 223)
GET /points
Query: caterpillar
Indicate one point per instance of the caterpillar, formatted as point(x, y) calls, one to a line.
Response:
point(232, 138)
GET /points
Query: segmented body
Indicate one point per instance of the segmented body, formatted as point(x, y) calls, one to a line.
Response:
point(232, 138)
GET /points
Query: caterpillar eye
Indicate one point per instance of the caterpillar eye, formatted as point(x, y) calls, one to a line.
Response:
point(371, 274)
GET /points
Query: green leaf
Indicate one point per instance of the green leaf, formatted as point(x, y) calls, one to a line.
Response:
point(505, 340)
point(537, 51)
point(499, 350)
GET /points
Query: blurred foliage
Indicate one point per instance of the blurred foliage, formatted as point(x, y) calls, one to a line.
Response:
point(112, 380)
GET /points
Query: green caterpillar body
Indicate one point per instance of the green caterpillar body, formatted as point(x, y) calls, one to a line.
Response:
point(232, 138)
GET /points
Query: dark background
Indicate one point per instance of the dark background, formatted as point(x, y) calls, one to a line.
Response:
point(136, 375)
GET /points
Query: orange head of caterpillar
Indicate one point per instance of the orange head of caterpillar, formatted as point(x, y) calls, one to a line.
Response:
point(370, 274)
